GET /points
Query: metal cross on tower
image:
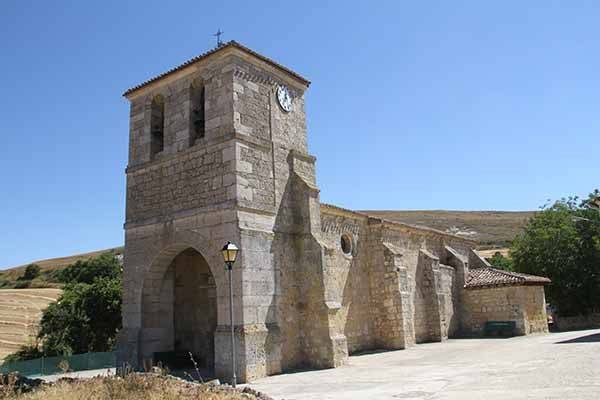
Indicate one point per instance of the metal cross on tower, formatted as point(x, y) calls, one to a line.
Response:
point(218, 36)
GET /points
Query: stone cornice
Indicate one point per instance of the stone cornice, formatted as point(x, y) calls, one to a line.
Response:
point(303, 156)
point(227, 48)
point(330, 209)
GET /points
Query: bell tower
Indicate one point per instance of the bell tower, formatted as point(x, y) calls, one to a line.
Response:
point(218, 152)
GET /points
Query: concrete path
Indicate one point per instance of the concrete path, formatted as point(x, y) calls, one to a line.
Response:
point(79, 374)
point(554, 366)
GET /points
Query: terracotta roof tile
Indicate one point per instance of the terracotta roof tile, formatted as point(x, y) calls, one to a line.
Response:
point(202, 56)
point(486, 277)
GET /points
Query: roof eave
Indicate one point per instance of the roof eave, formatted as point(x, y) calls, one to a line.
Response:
point(495, 285)
point(231, 44)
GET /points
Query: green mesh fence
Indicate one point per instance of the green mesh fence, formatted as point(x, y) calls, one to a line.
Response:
point(55, 365)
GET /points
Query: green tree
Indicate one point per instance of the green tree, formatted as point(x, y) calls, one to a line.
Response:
point(499, 261)
point(105, 265)
point(85, 318)
point(562, 242)
point(31, 272)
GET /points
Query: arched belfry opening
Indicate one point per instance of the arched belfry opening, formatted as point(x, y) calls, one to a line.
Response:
point(197, 111)
point(179, 311)
point(157, 125)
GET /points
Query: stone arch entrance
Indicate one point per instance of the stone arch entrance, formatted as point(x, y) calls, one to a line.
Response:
point(179, 310)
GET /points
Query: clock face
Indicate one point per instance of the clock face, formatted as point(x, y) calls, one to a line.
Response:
point(284, 97)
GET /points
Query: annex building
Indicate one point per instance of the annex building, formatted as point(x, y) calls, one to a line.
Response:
point(218, 152)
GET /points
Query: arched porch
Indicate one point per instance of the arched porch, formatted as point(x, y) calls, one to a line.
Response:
point(179, 310)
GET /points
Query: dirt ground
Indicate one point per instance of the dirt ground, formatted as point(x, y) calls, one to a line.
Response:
point(20, 313)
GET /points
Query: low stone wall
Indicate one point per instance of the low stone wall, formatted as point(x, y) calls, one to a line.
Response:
point(525, 305)
point(579, 322)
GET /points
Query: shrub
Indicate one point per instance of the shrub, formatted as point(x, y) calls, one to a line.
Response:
point(31, 272)
point(26, 352)
point(22, 284)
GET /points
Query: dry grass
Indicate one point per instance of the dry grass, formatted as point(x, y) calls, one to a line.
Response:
point(132, 387)
point(489, 228)
point(490, 253)
point(20, 313)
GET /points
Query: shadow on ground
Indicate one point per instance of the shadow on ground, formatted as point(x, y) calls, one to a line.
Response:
point(595, 337)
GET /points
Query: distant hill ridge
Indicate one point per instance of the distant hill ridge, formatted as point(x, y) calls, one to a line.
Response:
point(11, 275)
point(492, 229)
point(489, 228)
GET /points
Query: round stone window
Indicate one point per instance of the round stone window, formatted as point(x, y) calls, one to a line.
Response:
point(346, 243)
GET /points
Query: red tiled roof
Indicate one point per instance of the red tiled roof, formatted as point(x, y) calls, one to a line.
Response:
point(229, 44)
point(486, 277)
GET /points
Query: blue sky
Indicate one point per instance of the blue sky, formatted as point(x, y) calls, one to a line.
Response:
point(413, 105)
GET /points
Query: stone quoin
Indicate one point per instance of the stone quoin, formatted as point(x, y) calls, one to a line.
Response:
point(218, 152)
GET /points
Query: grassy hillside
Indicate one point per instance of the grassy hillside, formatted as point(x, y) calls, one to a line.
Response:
point(9, 278)
point(489, 228)
point(20, 313)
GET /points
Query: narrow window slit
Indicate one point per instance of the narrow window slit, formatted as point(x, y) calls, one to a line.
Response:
point(198, 123)
point(157, 126)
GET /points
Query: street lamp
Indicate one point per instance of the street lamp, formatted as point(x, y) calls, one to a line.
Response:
point(230, 251)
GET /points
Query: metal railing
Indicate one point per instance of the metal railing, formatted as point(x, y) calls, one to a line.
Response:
point(60, 364)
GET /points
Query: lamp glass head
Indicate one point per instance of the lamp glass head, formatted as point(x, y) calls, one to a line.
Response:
point(230, 251)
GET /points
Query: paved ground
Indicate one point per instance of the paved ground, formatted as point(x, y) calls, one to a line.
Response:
point(554, 366)
point(79, 374)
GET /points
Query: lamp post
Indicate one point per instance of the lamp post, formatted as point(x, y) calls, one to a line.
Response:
point(230, 251)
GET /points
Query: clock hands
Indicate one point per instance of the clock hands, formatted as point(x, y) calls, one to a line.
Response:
point(284, 97)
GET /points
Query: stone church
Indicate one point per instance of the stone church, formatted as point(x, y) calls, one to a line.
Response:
point(218, 152)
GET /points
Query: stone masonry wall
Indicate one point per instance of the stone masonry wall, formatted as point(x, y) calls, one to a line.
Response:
point(449, 297)
point(377, 283)
point(393, 304)
point(523, 304)
point(577, 322)
point(266, 134)
point(349, 276)
point(200, 178)
point(217, 78)
point(438, 284)
point(427, 317)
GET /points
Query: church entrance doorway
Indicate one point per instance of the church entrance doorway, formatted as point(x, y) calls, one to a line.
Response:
point(179, 313)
